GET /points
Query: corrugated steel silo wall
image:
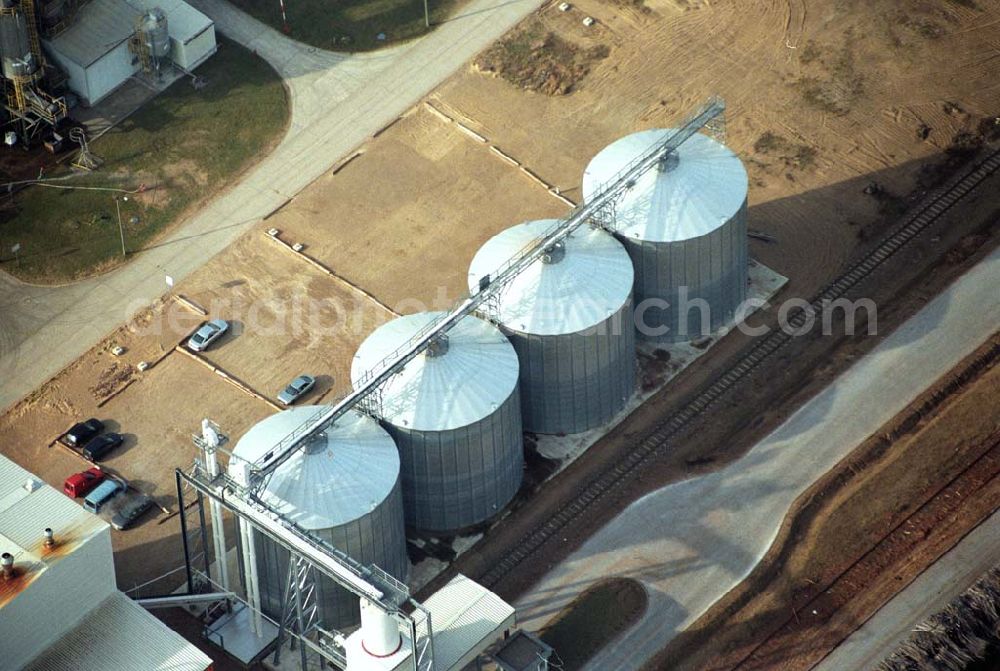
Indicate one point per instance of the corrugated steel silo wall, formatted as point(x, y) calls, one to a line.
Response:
point(377, 538)
point(713, 267)
point(577, 381)
point(460, 477)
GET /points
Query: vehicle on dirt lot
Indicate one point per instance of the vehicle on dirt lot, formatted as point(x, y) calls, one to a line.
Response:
point(81, 432)
point(103, 493)
point(296, 389)
point(130, 511)
point(80, 484)
point(101, 445)
point(207, 334)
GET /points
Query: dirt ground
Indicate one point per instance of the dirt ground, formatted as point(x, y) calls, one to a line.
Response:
point(666, 61)
point(818, 97)
point(405, 218)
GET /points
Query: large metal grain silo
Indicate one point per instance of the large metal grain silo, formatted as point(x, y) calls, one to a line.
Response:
point(569, 316)
point(343, 487)
point(455, 415)
point(684, 224)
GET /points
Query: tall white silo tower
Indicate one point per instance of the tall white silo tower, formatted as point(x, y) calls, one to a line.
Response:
point(569, 316)
point(684, 224)
point(455, 414)
point(344, 487)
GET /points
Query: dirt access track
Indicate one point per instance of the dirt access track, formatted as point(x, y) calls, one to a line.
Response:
point(822, 98)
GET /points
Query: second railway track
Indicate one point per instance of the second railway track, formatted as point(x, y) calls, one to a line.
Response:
point(933, 206)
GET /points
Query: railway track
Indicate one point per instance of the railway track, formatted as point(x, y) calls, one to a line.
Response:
point(933, 206)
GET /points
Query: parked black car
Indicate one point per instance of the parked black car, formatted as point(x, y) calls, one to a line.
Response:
point(81, 432)
point(130, 511)
point(101, 445)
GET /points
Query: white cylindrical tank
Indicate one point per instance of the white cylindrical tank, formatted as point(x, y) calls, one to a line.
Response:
point(685, 226)
point(379, 631)
point(344, 487)
point(455, 415)
point(569, 317)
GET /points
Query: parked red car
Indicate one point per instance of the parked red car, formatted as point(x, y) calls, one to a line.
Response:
point(79, 484)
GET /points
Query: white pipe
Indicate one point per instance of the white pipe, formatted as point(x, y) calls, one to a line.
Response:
point(218, 530)
point(379, 631)
point(250, 570)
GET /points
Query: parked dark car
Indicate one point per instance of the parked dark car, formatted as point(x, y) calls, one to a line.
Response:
point(130, 511)
point(81, 432)
point(80, 484)
point(101, 445)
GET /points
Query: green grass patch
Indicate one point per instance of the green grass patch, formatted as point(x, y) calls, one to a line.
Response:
point(185, 145)
point(594, 618)
point(351, 25)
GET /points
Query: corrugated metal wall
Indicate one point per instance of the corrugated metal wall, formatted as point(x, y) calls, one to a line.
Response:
point(377, 538)
point(712, 268)
point(576, 381)
point(460, 477)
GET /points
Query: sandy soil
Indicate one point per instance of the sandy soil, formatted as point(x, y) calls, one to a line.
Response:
point(404, 219)
point(287, 317)
point(666, 62)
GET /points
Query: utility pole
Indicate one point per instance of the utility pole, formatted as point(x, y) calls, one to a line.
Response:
point(427, 15)
point(121, 229)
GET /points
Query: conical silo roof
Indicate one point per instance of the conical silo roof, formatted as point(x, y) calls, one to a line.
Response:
point(340, 477)
point(586, 282)
point(692, 196)
point(444, 389)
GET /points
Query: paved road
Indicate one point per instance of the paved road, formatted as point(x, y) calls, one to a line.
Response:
point(691, 542)
point(337, 102)
point(951, 575)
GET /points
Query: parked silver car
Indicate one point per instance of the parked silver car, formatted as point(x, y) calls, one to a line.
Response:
point(207, 334)
point(296, 388)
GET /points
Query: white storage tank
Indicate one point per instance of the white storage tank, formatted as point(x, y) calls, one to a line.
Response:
point(343, 487)
point(685, 226)
point(455, 415)
point(569, 317)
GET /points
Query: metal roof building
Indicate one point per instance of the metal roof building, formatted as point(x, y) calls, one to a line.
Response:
point(455, 414)
point(344, 488)
point(94, 50)
point(43, 630)
point(685, 227)
point(569, 317)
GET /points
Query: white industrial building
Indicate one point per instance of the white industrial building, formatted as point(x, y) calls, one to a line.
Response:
point(94, 49)
point(59, 607)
